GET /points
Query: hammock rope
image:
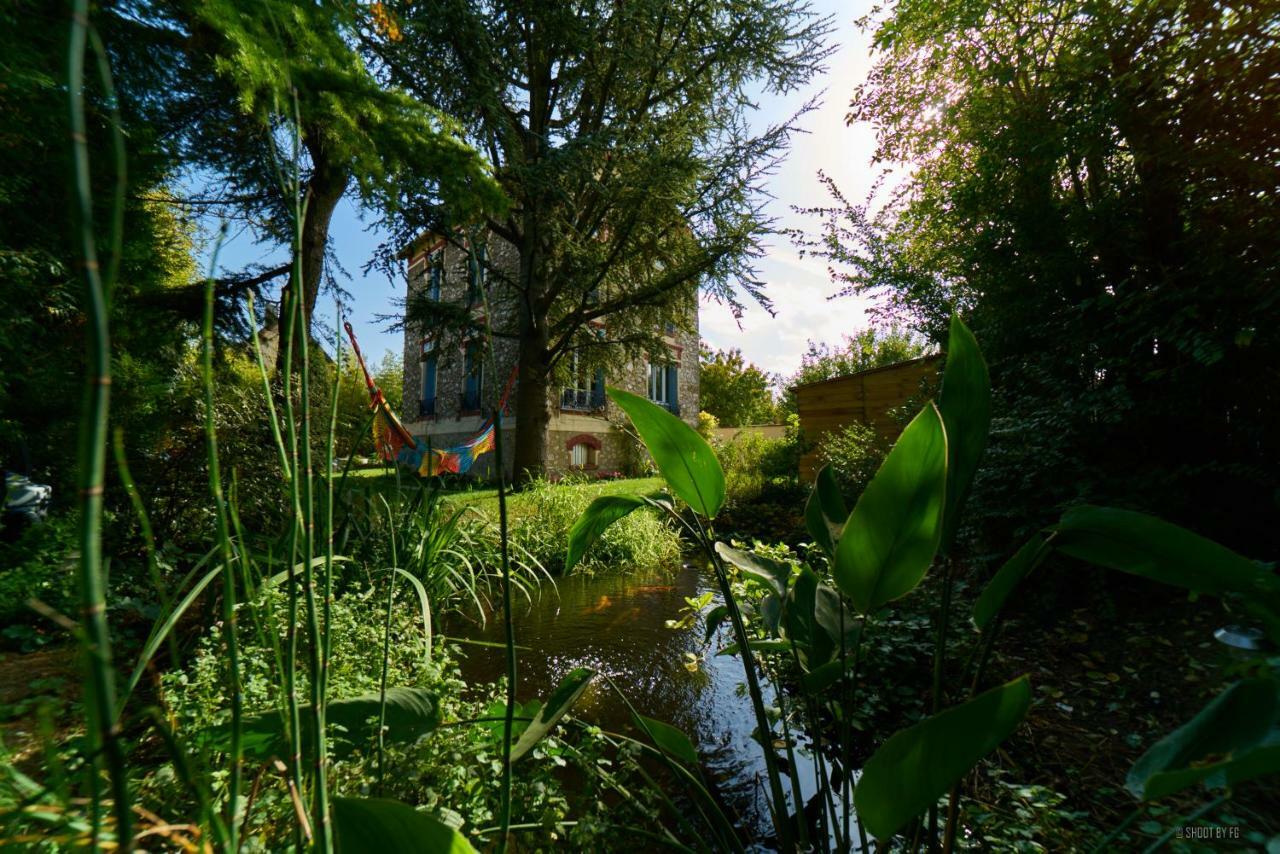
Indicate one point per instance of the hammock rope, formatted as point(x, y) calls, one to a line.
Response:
point(394, 444)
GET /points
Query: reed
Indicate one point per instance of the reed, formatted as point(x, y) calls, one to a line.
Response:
point(103, 723)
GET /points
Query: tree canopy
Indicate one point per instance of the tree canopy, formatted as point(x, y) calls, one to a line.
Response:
point(873, 347)
point(621, 134)
point(1094, 185)
point(734, 390)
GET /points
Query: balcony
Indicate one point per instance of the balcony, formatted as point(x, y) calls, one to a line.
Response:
point(582, 400)
point(427, 408)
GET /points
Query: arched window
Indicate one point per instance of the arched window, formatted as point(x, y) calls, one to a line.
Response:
point(584, 451)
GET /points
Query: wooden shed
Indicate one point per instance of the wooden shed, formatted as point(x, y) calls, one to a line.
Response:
point(867, 396)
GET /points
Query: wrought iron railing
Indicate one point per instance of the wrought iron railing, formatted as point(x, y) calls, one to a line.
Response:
point(582, 400)
point(471, 400)
point(427, 407)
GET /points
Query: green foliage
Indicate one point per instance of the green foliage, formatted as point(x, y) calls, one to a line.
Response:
point(1085, 185)
point(682, 456)
point(378, 825)
point(670, 739)
point(646, 177)
point(852, 455)
point(707, 424)
point(38, 565)
point(42, 302)
point(1229, 742)
point(598, 516)
point(410, 713)
point(1143, 545)
point(964, 402)
point(1006, 579)
point(733, 390)
point(873, 347)
point(889, 540)
point(549, 513)
point(918, 765)
point(748, 461)
point(566, 693)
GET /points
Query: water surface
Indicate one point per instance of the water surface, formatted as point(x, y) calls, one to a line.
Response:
point(616, 624)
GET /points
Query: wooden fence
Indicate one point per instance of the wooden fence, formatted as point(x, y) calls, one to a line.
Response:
point(867, 397)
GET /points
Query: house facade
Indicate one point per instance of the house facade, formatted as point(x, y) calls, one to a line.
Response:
point(450, 388)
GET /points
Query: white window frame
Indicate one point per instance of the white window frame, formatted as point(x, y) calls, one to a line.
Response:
point(658, 391)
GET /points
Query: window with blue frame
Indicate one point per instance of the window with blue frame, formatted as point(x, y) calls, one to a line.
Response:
point(664, 386)
point(585, 392)
point(473, 383)
point(427, 403)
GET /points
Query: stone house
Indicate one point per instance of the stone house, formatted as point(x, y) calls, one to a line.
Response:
point(449, 389)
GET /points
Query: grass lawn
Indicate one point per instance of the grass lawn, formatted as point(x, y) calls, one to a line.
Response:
point(486, 498)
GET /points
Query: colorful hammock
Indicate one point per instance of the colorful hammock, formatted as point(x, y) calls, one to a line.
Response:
point(394, 444)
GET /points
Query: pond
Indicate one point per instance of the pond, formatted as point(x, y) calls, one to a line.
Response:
point(616, 624)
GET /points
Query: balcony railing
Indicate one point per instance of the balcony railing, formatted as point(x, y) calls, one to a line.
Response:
point(582, 400)
point(471, 400)
point(427, 407)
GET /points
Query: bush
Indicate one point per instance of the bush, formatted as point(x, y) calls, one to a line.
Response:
point(707, 424)
point(438, 772)
point(854, 454)
point(40, 564)
point(751, 461)
point(640, 541)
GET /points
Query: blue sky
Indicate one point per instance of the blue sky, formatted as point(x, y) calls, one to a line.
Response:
point(799, 287)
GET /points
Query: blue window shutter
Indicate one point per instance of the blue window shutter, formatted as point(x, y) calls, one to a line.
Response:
point(673, 389)
point(429, 377)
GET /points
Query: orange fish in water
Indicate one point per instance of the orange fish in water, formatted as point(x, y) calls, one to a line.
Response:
point(604, 603)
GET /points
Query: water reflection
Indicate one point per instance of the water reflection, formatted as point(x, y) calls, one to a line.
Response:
point(616, 625)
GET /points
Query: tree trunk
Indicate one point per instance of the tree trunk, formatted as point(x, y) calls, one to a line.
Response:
point(325, 188)
point(533, 415)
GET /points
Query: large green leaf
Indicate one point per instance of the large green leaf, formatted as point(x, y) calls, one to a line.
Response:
point(965, 404)
point(351, 724)
point(1144, 545)
point(670, 739)
point(918, 765)
point(830, 612)
point(767, 570)
point(1007, 578)
point(800, 619)
point(892, 534)
point(1232, 739)
point(683, 457)
point(557, 706)
point(714, 618)
point(383, 826)
point(598, 516)
point(825, 511)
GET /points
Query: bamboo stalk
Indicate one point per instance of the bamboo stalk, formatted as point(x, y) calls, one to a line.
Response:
point(228, 558)
point(103, 727)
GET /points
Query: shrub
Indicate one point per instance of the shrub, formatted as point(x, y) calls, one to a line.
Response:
point(641, 541)
point(38, 565)
point(707, 424)
point(439, 771)
point(854, 454)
